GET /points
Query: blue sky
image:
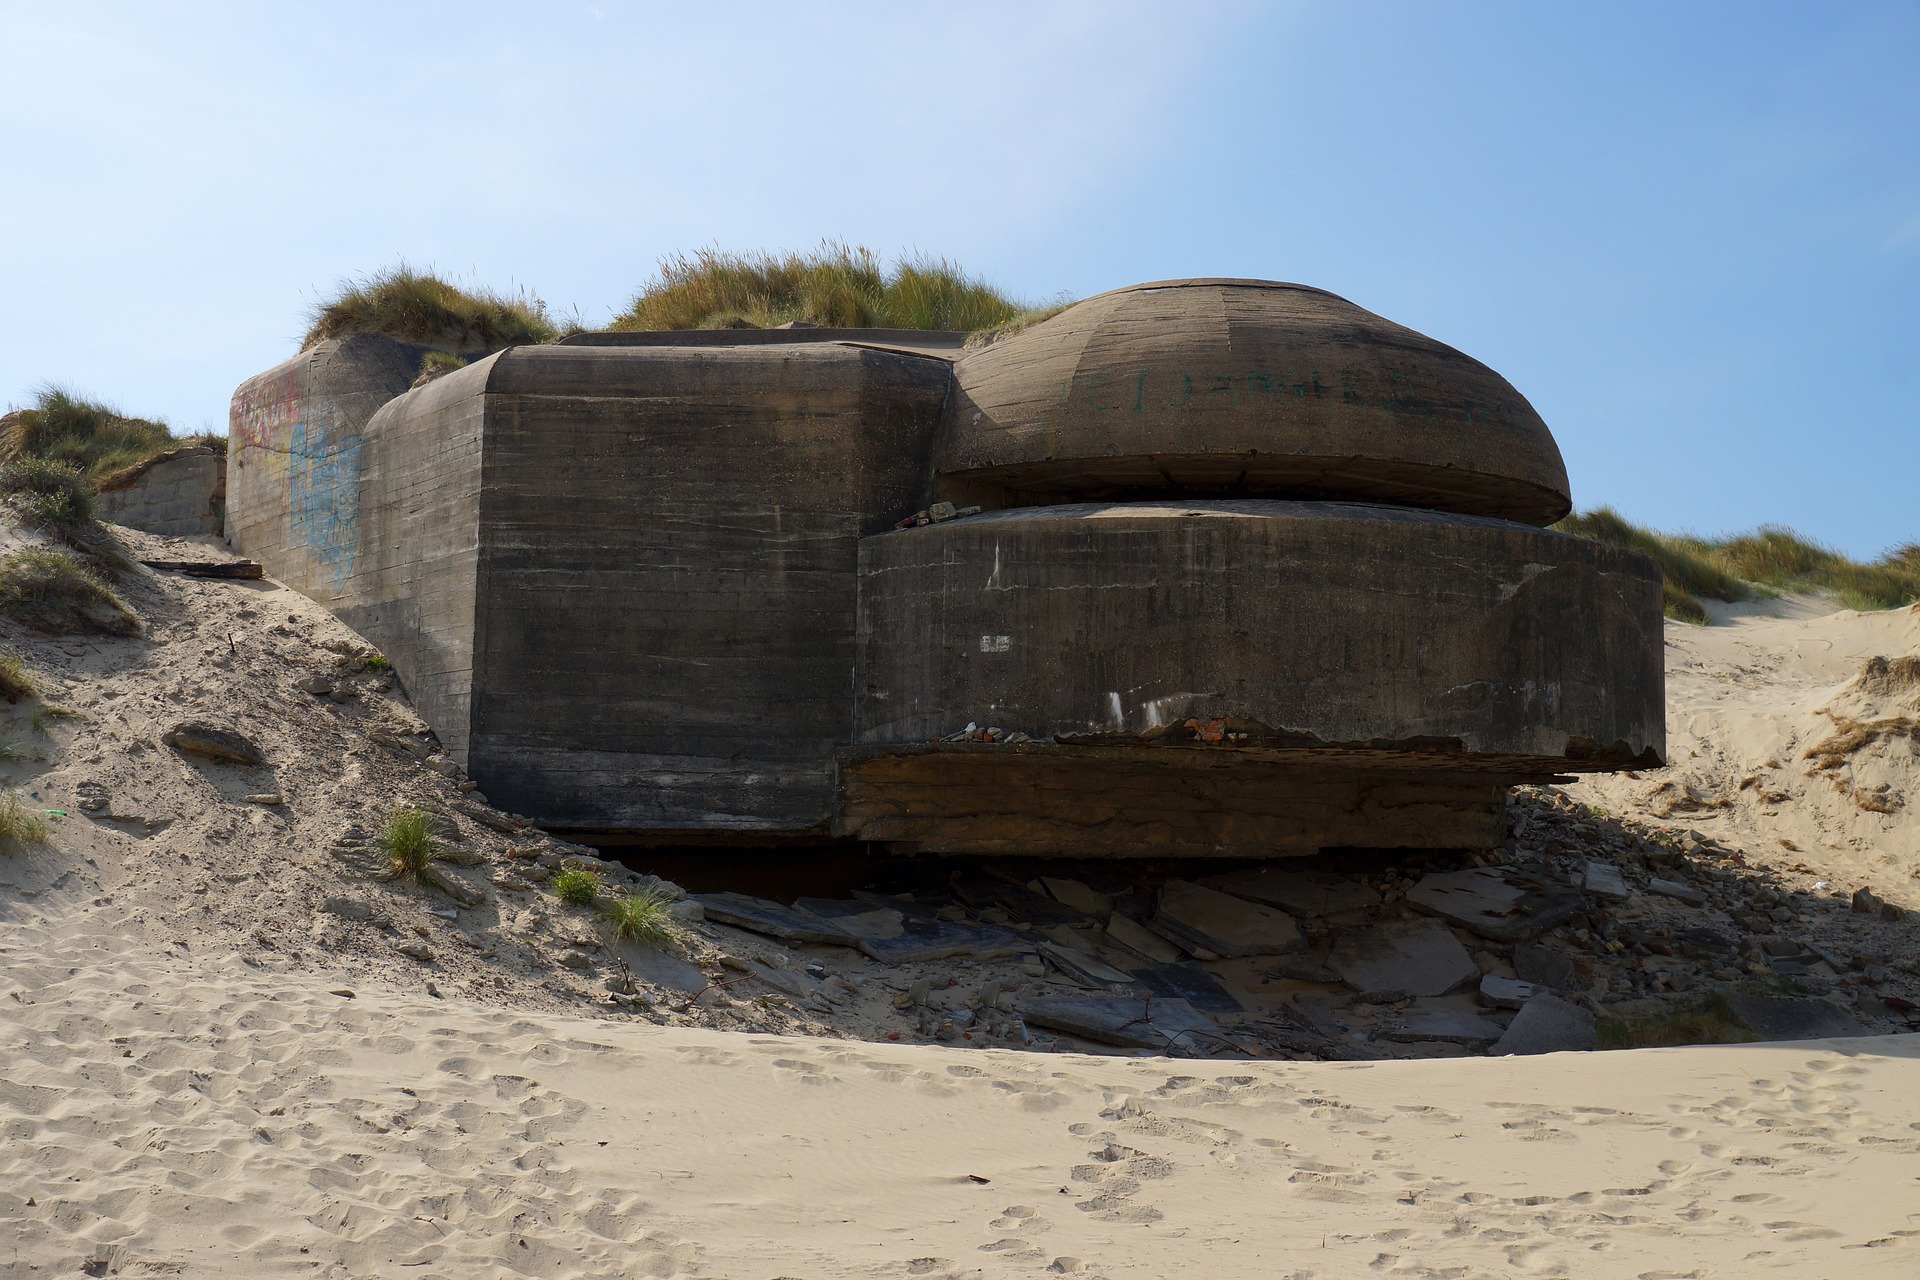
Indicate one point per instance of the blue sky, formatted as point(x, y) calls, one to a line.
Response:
point(1688, 232)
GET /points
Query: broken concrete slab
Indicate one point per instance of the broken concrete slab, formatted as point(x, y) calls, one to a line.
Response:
point(1678, 890)
point(1547, 1024)
point(214, 742)
point(938, 939)
point(1088, 971)
point(1791, 1018)
point(914, 908)
point(1443, 1024)
point(1507, 993)
point(1502, 903)
point(1604, 880)
point(1419, 956)
point(1150, 1022)
point(1547, 966)
point(762, 916)
point(1203, 919)
point(981, 892)
point(663, 969)
point(1309, 894)
point(1078, 895)
point(1189, 981)
point(859, 919)
point(1128, 935)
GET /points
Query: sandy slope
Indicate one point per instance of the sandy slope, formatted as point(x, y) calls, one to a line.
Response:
point(1750, 699)
point(194, 1116)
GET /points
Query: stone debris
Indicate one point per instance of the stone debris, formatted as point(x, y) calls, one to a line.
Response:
point(1087, 970)
point(1547, 966)
point(1308, 894)
point(1192, 982)
point(1079, 896)
point(1507, 993)
point(1548, 1024)
point(213, 742)
point(1677, 890)
point(1790, 1018)
point(1503, 903)
point(856, 918)
point(1218, 926)
point(1136, 940)
point(1424, 1021)
point(1173, 1026)
point(1605, 880)
point(763, 916)
point(1418, 957)
point(923, 940)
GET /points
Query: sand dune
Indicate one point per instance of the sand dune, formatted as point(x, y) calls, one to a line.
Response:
point(1752, 700)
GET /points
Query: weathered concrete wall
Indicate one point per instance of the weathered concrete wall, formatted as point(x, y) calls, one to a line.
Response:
point(1244, 388)
point(669, 548)
point(179, 494)
point(1296, 623)
point(412, 580)
point(293, 466)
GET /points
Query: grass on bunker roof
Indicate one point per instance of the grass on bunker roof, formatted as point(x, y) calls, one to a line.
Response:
point(836, 285)
point(1772, 559)
point(418, 306)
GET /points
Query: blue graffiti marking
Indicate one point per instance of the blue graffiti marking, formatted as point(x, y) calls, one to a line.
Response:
point(323, 491)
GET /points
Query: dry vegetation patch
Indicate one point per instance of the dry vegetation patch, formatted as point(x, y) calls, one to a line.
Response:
point(418, 306)
point(836, 285)
point(1741, 567)
point(53, 590)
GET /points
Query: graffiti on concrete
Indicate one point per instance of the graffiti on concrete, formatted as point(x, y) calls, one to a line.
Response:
point(293, 444)
point(323, 490)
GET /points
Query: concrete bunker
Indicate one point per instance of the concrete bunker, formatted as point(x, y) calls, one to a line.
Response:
point(1252, 571)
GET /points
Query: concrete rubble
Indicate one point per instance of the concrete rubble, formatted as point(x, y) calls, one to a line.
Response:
point(1572, 932)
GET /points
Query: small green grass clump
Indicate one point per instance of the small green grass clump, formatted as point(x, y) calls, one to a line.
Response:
point(20, 824)
point(17, 680)
point(1742, 567)
point(577, 887)
point(435, 363)
point(53, 495)
point(90, 437)
point(407, 842)
point(1706, 1021)
point(640, 916)
point(836, 285)
point(54, 591)
point(418, 306)
point(374, 662)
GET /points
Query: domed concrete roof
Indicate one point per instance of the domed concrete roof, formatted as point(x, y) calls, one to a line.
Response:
point(1247, 387)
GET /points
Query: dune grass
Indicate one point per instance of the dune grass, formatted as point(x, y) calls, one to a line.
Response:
point(17, 680)
point(577, 888)
point(52, 590)
point(418, 306)
point(50, 495)
point(93, 438)
point(1743, 566)
point(21, 824)
point(837, 285)
point(407, 844)
point(1709, 1020)
point(640, 916)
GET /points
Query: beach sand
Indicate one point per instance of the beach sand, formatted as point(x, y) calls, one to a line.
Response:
point(169, 1114)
